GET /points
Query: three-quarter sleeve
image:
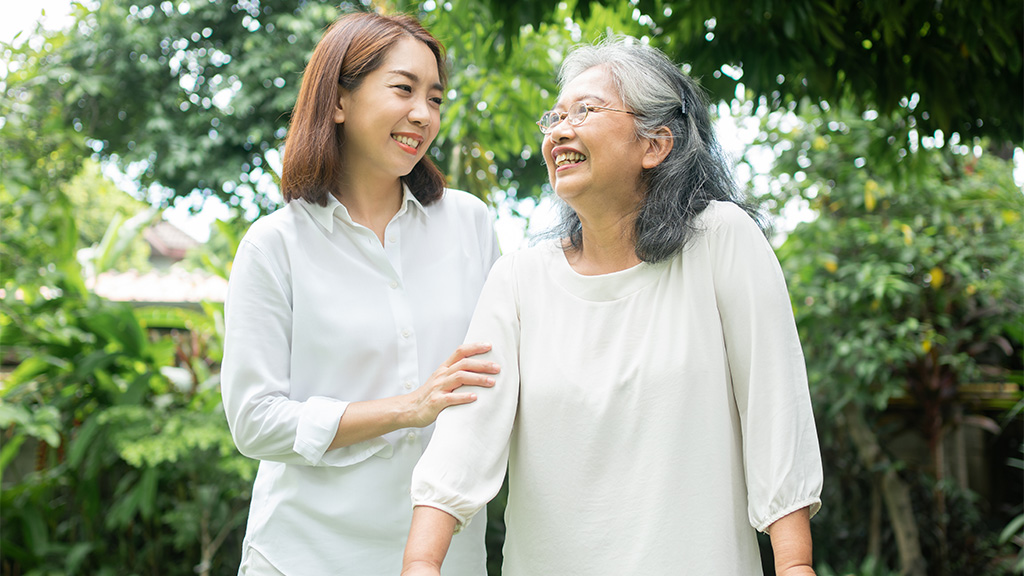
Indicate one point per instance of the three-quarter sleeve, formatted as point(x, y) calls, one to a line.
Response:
point(782, 461)
point(464, 464)
point(265, 422)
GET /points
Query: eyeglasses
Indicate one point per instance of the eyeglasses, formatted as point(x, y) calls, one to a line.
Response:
point(576, 115)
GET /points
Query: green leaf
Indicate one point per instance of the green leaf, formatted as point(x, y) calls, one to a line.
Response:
point(1012, 529)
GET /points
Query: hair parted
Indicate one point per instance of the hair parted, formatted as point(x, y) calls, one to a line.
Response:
point(694, 173)
point(352, 47)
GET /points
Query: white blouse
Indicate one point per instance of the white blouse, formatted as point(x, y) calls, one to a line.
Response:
point(320, 314)
point(651, 418)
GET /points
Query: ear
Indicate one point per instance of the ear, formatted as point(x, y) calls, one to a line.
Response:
point(340, 101)
point(658, 148)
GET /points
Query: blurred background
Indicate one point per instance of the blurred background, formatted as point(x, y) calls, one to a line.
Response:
point(139, 139)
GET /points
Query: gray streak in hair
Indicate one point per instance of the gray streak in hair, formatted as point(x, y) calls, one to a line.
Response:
point(694, 173)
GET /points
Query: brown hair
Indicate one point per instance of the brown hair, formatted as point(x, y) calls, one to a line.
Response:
point(352, 47)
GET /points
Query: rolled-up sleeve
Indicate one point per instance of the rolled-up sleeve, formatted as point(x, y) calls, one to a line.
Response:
point(782, 461)
point(265, 422)
point(464, 464)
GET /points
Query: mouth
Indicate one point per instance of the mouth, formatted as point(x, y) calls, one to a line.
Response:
point(569, 158)
point(408, 143)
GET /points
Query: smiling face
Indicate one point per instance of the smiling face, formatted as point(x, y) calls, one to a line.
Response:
point(602, 158)
point(391, 118)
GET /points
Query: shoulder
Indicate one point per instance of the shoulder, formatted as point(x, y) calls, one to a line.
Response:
point(722, 220)
point(459, 202)
point(535, 259)
point(271, 231)
point(727, 214)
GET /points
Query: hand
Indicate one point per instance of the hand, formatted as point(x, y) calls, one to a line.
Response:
point(439, 393)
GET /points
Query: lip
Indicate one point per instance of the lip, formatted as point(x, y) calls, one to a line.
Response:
point(561, 150)
point(405, 147)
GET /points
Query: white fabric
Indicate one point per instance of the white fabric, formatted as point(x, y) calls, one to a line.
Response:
point(320, 314)
point(255, 564)
point(652, 418)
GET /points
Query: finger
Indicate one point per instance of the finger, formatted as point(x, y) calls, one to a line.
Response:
point(466, 350)
point(459, 379)
point(473, 379)
point(474, 365)
point(456, 399)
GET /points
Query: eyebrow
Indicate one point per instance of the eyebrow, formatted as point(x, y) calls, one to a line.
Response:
point(416, 79)
point(586, 98)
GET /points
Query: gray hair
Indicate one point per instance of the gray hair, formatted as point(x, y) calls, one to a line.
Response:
point(695, 171)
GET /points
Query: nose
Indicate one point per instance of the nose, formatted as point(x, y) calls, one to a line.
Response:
point(561, 131)
point(420, 113)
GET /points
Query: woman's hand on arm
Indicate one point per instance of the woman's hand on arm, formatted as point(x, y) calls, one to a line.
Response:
point(429, 537)
point(370, 419)
point(791, 544)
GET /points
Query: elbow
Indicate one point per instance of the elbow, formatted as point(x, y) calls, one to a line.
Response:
point(244, 433)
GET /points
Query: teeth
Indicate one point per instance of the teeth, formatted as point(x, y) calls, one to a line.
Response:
point(406, 140)
point(569, 158)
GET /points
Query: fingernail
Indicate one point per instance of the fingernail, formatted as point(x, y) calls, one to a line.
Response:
point(490, 380)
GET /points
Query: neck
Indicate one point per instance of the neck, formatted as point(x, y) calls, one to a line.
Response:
point(371, 202)
point(608, 245)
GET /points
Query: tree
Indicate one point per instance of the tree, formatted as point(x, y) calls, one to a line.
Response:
point(196, 95)
point(905, 284)
point(116, 456)
point(217, 81)
point(960, 57)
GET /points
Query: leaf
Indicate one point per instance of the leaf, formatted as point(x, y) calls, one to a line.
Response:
point(1012, 529)
point(82, 441)
point(9, 451)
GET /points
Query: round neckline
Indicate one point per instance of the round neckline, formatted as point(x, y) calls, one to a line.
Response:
point(600, 287)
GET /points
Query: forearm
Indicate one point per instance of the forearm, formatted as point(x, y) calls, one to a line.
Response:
point(429, 538)
point(370, 419)
point(791, 544)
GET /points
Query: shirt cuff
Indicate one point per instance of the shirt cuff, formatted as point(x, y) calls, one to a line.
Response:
point(318, 425)
point(813, 503)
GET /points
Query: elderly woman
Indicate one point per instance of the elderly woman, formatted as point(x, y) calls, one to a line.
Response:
point(652, 407)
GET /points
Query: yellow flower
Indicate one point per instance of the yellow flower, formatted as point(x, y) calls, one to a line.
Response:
point(937, 277)
point(870, 188)
point(908, 235)
point(819, 144)
point(926, 346)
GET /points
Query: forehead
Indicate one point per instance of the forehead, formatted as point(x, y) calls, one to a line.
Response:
point(410, 57)
point(594, 85)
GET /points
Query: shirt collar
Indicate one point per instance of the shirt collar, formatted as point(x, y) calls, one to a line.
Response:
point(324, 215)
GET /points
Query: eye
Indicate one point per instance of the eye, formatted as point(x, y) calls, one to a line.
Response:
point(403, 87)
point(437, 100)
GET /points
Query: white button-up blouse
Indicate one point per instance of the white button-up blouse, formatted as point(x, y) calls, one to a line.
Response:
point(320, 314)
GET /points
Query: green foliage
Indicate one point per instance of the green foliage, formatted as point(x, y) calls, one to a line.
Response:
point(963, 58)
point(37, 155)
point(116, 456)
point(135, 467)
point(214, 116)
point(869, 567)
point(96, 201)
point(908, 280)
point(905, 284)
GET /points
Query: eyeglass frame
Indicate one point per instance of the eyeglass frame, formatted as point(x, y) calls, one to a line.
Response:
point(588, 108)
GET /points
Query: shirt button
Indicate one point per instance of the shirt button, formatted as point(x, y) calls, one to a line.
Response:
point(411, 436)
point(392, 239)
point(393, 284)
point(406, 333)
point(408, 384)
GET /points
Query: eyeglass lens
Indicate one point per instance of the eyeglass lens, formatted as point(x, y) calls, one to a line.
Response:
point(576, 115)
